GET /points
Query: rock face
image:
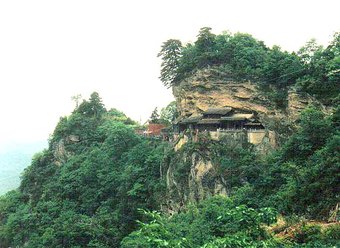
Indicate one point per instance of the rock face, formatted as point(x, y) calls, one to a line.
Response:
point(200, 182)
point(60, 152)
point(196, 96)
point(202, 92)
point(298, 102)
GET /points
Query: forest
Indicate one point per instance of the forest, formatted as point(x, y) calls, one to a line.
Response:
point(99, 183)
point(240, 57)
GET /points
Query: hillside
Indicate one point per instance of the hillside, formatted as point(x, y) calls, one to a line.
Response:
point(246, 161)
point(231, 118)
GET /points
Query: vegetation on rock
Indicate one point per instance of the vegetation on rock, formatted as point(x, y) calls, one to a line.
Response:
point(240, 57)
point(100, 184)
point(91, 197)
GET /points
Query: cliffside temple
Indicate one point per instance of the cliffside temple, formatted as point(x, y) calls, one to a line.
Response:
point(221, 121)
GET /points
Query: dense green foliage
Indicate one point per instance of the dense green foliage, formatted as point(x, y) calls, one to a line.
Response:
point(169, 114)
point(98, 177)
point(301, 180)
point(322, 69)
point(240, 57)
point(166, 116)
point(220, 223)
point(303, 176)
point(87, 189)
point(84, 193)
point(217, 220)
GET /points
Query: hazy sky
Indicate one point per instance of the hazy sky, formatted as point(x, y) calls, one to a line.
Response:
point(52, 50)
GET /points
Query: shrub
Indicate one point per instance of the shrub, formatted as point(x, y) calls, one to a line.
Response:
point(308, 233)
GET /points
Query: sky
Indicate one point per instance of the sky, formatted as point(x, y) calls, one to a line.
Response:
point(53, 50)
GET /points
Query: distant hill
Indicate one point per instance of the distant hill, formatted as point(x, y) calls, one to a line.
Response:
point(13, 160)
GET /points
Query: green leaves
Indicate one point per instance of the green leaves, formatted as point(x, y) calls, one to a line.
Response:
point(321, 77)
point(216, 222)
point(84, 191)
point(240, 57)
point(170, 55)
point(302, 177)
point(92, 108)
point(169, 113)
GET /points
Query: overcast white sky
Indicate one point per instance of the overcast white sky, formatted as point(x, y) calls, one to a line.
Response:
point(52, 50)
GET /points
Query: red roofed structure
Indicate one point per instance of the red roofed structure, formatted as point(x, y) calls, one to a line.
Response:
point(154, 129)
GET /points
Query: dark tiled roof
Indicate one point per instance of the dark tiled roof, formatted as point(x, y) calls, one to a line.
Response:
point(253, 124)
point(209, 121)
point(217, 111)
point(237, 117)
point(191, 119)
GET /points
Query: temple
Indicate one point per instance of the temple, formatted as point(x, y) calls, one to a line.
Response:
point(233, 124)
point(220, 119)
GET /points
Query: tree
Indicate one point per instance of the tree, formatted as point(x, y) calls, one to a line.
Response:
point(169, 113)
point(154, 118)
point(94, 107)
point(281, 68)
point(321, 77)
point(237, 226)
point(170, 54)
point(308, 51)
point(205, 48)
point(76, 99)
point(205, 40)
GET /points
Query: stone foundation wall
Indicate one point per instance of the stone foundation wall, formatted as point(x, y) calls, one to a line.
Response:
point(256, 137)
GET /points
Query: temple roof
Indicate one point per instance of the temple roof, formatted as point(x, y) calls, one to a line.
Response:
point(237, 117)
point(253, 124)
point(217, 111)
point(191, 119)
point(209, 121)
point(202, 119)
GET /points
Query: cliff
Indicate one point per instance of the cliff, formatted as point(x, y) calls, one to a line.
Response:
point(194, 174)
point(203, 90)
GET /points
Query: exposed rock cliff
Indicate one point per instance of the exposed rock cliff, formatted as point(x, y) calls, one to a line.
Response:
point(202, 91)
point(60, 153)
point(193, 175)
